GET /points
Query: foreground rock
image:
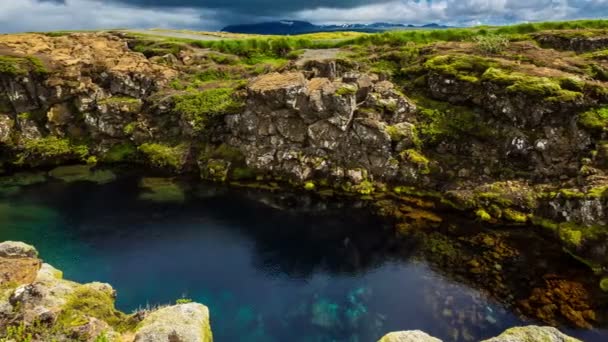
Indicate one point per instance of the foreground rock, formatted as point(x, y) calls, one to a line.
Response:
point(518, 334)
point(180, 323)
point(37, 299)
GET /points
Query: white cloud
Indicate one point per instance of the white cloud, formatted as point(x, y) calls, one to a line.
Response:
point(458, 12)
point(31, 15)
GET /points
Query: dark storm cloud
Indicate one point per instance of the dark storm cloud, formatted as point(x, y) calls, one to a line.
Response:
point(28, 15)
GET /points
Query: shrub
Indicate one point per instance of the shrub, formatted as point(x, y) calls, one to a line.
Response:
point(491, 44)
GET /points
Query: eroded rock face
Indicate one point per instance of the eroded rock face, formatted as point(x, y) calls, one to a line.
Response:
point(573, 41)
point(307, 128)
point(179, 323)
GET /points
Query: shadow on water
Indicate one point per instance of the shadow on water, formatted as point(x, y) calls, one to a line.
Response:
point(289, 266)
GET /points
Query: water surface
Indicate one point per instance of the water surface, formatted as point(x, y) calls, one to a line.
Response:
point(280, 267)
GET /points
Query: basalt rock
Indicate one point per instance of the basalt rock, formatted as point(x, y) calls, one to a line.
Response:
point(306, 129)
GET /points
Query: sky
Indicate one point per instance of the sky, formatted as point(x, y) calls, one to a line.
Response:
point(49, 15)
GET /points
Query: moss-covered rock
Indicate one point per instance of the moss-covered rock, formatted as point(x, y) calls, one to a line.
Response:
point(161, 190)
point(182, 322)
point(78, 173)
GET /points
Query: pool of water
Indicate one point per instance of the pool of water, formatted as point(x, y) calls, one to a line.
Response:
point(271, 267)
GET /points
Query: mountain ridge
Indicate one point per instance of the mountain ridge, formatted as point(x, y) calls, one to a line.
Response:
point(288, 27)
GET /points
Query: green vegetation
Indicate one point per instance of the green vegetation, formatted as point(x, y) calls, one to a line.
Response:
point(164, 156)
point(161, 190)
point(120, 153)
point(200, 107)
point(19, 66)
point(491, 44)
point(50, 148)
point(90, 301)
point(550, 88)
point(483, 215)
point(183, 301)
point(595, 119)
point(604, 284)
point(467, 68)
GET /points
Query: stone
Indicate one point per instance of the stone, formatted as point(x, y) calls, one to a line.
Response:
point(16, 249)
point(6, 128)
point(409, 336)
point(532, 334)
point(180, 323)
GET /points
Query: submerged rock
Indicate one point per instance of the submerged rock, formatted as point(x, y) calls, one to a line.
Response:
point(180, 323)
point(161, 190)
point(79, 173)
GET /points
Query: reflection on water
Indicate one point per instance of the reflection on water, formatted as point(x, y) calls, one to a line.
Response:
point(276, 267)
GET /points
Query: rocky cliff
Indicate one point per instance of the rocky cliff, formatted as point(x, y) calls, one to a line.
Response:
point(514, 135)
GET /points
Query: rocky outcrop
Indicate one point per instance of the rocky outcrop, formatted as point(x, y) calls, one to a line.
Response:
point(35, 297)
point(579, 41)
point(180, 323)
point(519, 334)
point(347, 129)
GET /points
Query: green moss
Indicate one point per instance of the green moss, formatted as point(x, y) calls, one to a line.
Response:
point(483, 215)
point(164, 156)
point(243, 173)
point(120, 153)
point(595, 119)
point(417, 158)
point(89, 301)
point(19, 66)
point(37, 151)
point(598, 192)
point(467, 68)
point(309, 186)
point(346, 90)
point(550, 88)
point(604, 284)
point(364, 188)
point(571, 194)
point(515, 216)
point(201, 106)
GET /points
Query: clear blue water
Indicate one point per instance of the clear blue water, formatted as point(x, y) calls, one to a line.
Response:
point(270, 267)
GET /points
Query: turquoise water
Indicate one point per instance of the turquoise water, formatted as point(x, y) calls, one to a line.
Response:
point(271, 267)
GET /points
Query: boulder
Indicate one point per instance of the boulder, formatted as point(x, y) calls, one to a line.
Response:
point(409, 336)
point(15, 249)
point(532, 334)
point(180, 323)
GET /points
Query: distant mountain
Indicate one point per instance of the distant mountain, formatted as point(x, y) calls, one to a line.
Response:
point(292, 27)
